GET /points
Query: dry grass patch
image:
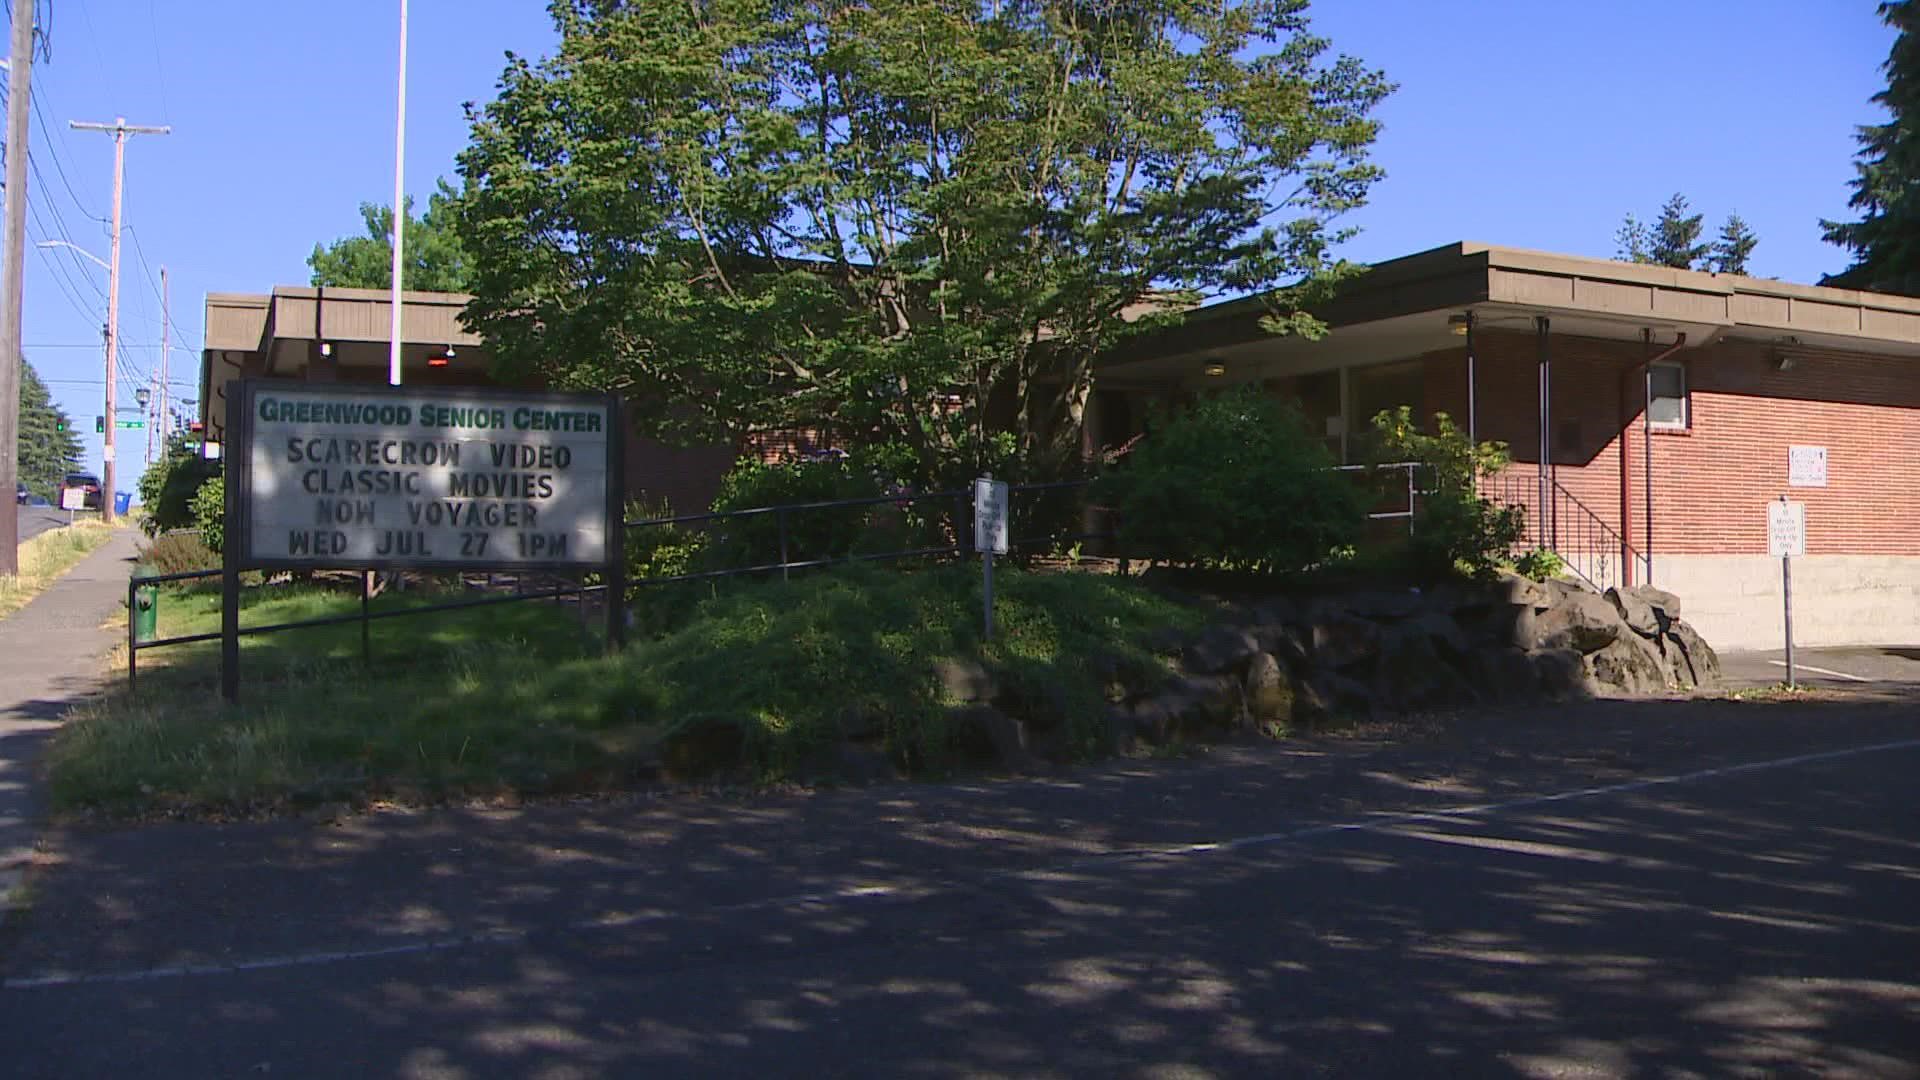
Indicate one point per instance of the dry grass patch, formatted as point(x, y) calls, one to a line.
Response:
point(47, 556)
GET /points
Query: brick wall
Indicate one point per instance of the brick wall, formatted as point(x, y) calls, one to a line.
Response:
point(1711, 481)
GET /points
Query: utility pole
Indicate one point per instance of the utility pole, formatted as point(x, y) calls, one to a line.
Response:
point(12, 263)
point(160, 395)
point(119, 129)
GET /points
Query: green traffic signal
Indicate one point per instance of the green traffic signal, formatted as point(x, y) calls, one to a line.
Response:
point(99, 425)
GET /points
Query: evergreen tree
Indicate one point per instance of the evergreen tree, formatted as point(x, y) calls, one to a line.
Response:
point(1731, 250)
point(1885, 241)
point(1631, 241)
point(1675, 237)
point(48, 447)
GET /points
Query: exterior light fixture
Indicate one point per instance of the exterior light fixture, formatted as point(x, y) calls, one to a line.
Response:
point(142, 396)
point(1215, 369)
point(1459, 324)
point(441, 360)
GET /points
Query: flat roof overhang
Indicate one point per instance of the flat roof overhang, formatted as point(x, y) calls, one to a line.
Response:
point(274, 335)
point(1400, 309)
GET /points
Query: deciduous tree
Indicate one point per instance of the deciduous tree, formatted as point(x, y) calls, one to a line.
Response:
point(435, 260)
point(884, 214)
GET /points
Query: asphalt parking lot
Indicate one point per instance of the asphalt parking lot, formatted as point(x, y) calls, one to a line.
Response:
point(1843, 668)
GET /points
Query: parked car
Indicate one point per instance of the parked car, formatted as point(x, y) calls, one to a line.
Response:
point(20, 493)
point(86, 482)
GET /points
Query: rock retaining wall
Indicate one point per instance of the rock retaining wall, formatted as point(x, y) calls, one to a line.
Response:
point(1270, 663)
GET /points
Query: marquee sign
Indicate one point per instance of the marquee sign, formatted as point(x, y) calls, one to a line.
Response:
point(349, 476)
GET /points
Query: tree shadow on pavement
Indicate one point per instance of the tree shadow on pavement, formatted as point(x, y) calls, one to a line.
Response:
point(1306, 906)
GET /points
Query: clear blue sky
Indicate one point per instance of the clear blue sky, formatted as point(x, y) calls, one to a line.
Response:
point(1517, 122)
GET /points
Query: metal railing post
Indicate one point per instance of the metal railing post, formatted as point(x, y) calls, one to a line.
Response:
point(780, 516)
point(1410, 469)
point(366, 598)
point(133, 640)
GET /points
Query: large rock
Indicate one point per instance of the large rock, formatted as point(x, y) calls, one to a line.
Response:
point(1412, 675)
point(1220, 649)
point(1629, 665)
point(1195, 704)
point(1516, 590)
point(1341, 640)
point(1287, 644)
point(1504, 673)
point(1443, 631)
point(1007, 736)
point(1269, 692)
point(1329, 694)
point(1691, 660)
point(963, 681)
point(1560, 672)
point(1634, 610)
point(1276, 611)
point(1578, 620)
point(1378, 606)
point(1659, 599)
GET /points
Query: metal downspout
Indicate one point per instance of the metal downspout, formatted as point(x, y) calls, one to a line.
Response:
point(1542, 531)
point(1645, 367)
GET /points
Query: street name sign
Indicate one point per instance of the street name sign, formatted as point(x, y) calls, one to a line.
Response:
point(432, 477)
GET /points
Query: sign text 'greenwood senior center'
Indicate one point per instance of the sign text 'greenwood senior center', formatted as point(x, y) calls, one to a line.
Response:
point(441, 476)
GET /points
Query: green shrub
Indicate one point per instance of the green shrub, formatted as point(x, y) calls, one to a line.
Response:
point(1540, 564)
point(1454, 529)
point(1236, 482)
point(810, 534)
point(209, 510)
point(168, 486)
point(178, 553)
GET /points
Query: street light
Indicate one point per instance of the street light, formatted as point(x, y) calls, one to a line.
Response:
point(70, 245)
point(106, 454)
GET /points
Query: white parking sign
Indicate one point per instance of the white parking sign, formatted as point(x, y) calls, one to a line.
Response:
point(990, 516)
point(1786, 529)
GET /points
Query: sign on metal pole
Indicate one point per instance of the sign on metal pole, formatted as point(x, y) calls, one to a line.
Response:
point(990, 528)
point(339, 476)
point(442, 478)
point(1807, 466)
point(1786, 529)
point(1786, 540)
point(990, 515)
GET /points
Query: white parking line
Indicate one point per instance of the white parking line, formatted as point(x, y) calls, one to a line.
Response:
point(1384, 823)
point(1819, 670)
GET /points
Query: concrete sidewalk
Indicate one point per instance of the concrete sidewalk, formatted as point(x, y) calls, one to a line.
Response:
point(50, 657)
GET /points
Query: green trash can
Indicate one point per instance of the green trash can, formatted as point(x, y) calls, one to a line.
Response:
point(146, 611)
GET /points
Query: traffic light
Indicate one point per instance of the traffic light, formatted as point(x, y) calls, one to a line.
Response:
point(60, 424)
point(99, 425)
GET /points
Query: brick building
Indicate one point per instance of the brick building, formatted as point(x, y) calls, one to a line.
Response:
point(1666, 404)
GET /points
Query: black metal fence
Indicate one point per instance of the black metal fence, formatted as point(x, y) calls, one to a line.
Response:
point(947, 513)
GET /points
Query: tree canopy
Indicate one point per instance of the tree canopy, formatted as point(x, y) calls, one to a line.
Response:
point(1885, 240)
point(1673, 239)
point(48, 448)
point(885, 215)
point(436, 261)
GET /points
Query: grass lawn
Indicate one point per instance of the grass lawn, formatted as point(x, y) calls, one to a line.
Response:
point(519, 699)
point(45, 557)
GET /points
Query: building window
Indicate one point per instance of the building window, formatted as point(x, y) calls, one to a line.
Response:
point(1667, 407)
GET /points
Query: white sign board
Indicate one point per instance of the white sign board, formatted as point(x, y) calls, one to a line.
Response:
point(1807, 466)
point(990, 516)
point(73, 498)
point(445, 477)
point(1786, 529)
